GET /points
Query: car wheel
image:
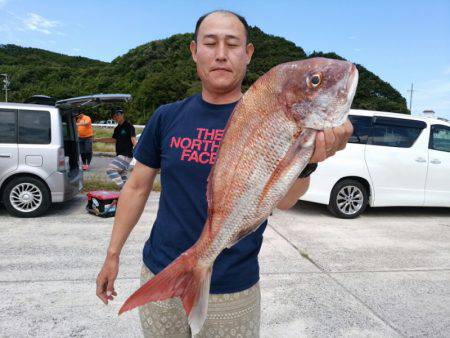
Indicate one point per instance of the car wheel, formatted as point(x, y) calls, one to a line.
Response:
point(26, 197)
point(348, 199)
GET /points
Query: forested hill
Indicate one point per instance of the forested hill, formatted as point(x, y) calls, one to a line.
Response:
point(159, 72)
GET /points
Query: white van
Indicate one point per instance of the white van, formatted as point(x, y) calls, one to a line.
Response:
point(391, 160)
point(39, 157)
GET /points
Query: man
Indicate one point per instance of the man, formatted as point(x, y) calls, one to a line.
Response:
point(221, 52)
point(85, 135)
point(124, 136)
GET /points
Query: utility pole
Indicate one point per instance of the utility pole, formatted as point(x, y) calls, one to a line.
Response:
point(410, 97)
point(5, 85)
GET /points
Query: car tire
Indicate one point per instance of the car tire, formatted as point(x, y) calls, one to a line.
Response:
point(348, 199)
point(26, 197)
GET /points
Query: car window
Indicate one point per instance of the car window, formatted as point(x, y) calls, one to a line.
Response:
point(394, 132)
point(8, 126)
point(394, 136)
point(34, 127)
point(440, 138)
point(68, 127)
point(361, 128)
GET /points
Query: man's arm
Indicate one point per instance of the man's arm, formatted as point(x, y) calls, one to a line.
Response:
point(327, 143)
point(137, 190)
point(104, 139)
point(133, 141)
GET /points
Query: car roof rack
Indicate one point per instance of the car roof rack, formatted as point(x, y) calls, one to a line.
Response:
point(41, 99)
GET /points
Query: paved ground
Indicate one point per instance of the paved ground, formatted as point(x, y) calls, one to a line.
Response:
point(386, 274)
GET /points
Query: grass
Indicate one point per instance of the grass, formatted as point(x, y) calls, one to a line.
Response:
point(106, 132)
point(99, 183)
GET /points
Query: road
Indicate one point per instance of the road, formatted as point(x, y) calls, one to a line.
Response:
point(386, 274)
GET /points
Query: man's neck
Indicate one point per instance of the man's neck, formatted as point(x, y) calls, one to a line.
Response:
point(221, 98)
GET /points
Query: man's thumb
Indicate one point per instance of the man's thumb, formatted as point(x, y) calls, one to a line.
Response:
point(110, 288)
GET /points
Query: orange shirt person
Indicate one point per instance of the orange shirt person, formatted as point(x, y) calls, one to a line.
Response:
point(85, 136)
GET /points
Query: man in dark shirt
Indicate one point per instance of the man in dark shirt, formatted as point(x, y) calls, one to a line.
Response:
point(124, 137)
point(182, 139)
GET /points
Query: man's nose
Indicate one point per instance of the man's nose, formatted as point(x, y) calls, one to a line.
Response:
point(221, 53)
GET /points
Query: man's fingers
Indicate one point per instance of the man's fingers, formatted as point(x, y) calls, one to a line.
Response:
point(330, 141)
point(339, 134)
point(320, 153)
point(100, 292)
point(110, 292)
point(345, 132)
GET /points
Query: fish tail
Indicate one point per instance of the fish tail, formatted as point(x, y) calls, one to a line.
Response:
point(183, 278)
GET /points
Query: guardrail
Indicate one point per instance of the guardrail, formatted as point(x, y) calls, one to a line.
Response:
point(113, 125)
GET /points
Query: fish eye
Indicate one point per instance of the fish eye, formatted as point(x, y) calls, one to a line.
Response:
point(315, 80)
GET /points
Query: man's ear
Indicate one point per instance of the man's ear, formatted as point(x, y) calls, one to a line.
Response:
point(193, 48)
point(249, 51)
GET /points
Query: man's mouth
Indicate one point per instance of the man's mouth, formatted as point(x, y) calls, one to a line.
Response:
point(221, 69)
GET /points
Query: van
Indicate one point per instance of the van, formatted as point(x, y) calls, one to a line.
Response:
point(391, 160)
point(39, 156)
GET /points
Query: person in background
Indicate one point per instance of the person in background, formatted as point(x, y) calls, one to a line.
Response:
point(85, 136)
point(124, 136)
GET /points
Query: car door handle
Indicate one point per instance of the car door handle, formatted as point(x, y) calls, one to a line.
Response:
point(436, 161)
point(5, 155)
point(420, 160)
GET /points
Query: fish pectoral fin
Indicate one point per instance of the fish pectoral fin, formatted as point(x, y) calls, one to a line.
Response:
point(245, 232)
point(285, 163)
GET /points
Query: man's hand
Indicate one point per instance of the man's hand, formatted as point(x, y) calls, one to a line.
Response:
point(106, 278)
point(327, 143)
point(331, 140)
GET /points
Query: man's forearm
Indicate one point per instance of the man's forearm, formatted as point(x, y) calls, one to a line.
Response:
point(105, 139)
point(299, 188)
point(127, 215)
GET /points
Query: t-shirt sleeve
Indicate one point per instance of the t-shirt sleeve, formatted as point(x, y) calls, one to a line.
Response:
point(115, 133)
point(148, 149)
point(132, 131)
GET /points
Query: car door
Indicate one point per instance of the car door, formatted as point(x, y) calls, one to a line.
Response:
point(397, 159)
point(8, 141)
point(437, 189)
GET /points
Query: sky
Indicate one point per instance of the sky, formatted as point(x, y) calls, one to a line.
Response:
point(403, 42)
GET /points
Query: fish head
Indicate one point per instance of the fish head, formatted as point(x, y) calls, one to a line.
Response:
point(318, 92)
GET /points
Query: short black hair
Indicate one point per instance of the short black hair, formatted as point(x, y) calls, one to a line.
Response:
point(116, 111)
point(240, 18)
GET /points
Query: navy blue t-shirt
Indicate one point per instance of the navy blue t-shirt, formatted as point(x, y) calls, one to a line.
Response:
point(182, 139)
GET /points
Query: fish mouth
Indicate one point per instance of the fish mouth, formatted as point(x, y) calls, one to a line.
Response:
point(352, 83)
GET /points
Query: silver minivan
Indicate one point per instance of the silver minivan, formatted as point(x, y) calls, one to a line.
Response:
point(39, 156)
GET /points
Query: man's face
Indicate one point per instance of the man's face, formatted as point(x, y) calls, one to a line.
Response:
point(221, 52)
point(118, 118)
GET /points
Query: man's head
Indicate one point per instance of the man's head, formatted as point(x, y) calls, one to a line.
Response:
point(117, 116)
point(221, 51)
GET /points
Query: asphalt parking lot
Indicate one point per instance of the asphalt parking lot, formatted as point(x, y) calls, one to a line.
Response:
point(386, 274)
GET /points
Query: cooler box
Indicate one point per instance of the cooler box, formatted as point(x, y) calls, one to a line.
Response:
point(102, 203)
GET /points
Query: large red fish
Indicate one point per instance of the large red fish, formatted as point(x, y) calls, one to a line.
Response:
point(268, 141)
